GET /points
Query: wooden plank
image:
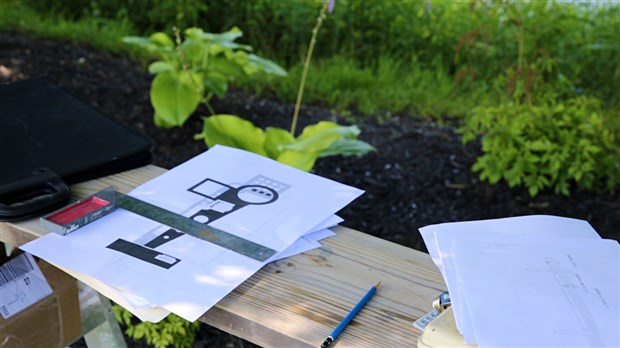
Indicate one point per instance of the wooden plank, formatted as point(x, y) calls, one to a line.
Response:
point(297, 301)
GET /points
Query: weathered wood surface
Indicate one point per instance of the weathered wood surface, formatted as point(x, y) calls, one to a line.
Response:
point(297, 301)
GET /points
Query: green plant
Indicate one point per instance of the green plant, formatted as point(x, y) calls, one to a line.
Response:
point(543, 135)
point(318, 140)
point(173, 331)
point(194, 69)
point(551, 145)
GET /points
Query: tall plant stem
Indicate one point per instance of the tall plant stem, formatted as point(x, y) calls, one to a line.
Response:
point(304, 74)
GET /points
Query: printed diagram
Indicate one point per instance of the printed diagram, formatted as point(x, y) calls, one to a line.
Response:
point(225, 199)
point(219, 200)
point(582, 313)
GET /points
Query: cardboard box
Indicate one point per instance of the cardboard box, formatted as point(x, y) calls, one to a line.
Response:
point(51, 322)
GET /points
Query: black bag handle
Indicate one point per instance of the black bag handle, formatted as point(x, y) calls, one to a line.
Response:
point(43, 192)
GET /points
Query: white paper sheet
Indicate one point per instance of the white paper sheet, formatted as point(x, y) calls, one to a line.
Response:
point(438, 239)
point(201, 273)
point(539, 228)
point(562, 292)
point(520, 225)
point(148, 311)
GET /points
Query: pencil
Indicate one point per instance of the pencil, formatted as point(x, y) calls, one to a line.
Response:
point(334, 335)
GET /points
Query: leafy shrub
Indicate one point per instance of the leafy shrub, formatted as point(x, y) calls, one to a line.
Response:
point(544, 133)
point(551, 145)
point(173, 331)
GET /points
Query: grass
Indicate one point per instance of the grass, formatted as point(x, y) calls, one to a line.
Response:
point(390, 89)
point(102, 34)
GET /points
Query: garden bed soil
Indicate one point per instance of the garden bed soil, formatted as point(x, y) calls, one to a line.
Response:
point(420, 174)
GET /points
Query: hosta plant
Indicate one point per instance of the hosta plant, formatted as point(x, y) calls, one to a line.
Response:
point(315, 141)
point(192, 69)
point(318, 140)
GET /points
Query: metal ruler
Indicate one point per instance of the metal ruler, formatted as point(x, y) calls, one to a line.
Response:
point(102, 203)
point(194, 228)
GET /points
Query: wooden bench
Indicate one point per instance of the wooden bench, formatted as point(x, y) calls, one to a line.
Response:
point(298, 301)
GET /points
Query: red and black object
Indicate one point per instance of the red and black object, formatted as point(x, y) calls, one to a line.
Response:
point(49, 140)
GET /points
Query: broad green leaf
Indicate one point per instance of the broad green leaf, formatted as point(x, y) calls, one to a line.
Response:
point(345, 132)
point(161, 39)
point(229, 36)
point(226, 67)
point(217, 83)
point(267, 66)
point(233, 131)
point(223, 40)
point(175, 97)
point(315, 143)
point(194, 33)
point(198, 33)
point(320, 136)
point(160, 67)
point(313, 129)
point(216, 86)
point(162, 122)
point(194, 51)
point(242, 59)
point(347, 147)
point(226, 39)
point(217, 48)
point(147, 44)
point(234, 46)
point(298, 159)
point(136, 40)
point(275, 138)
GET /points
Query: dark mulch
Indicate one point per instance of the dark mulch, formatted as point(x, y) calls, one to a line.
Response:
point(419, 176)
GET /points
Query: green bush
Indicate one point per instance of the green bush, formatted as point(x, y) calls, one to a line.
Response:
point(550, 145)
point(470, 43)
point(173, 331)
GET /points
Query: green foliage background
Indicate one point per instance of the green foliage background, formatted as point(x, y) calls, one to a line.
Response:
point(429, 57)
point(462, 60)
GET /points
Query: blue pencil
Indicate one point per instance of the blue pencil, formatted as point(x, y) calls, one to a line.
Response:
point(334, 335)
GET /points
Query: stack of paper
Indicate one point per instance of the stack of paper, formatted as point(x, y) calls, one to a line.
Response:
point(149, 270)
point(532, 281)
